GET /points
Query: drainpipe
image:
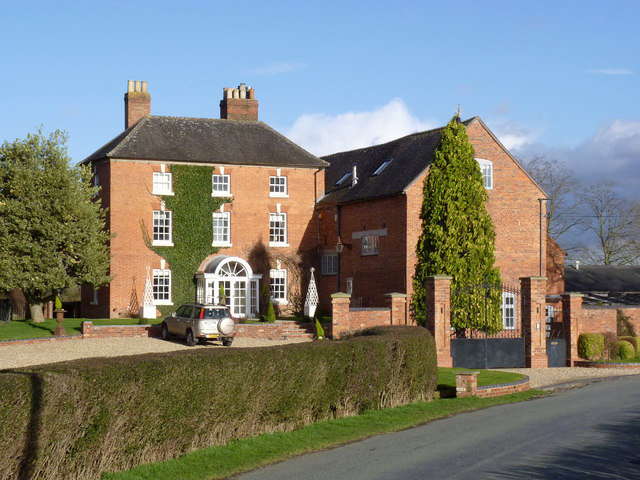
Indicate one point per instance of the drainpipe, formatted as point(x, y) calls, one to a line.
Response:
point(542, 231)
point(339, 230)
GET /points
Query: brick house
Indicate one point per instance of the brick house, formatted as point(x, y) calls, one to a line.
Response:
point(260, 235)
point(370, 214)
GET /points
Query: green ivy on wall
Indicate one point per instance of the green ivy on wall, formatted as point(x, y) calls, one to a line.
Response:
point(192, 207)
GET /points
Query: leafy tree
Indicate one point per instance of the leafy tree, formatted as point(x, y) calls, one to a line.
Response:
point(457, 235)
point(51, 225)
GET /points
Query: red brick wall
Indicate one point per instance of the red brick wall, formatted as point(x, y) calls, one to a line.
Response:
point(128, 187)
point(136, 106)
point(597, 320)
point(514, 207)
point(373, 275)
point(555, 267)
point(347, 320)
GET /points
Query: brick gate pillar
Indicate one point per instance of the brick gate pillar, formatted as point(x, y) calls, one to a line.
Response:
point(571, 309)
point(438, 307)
point(398, 308)
point(533, 300)
point(340, 313)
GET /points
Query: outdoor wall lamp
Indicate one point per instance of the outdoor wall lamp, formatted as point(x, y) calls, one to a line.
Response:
point(340, 246)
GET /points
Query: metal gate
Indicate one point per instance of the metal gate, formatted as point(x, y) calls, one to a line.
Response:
point(483, 347)
point(556, 344)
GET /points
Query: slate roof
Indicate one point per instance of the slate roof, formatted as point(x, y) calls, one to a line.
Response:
point(206, 140)
point(604, 284)
point(410, 157)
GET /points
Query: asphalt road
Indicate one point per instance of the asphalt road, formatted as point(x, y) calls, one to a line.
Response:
point(584, 433)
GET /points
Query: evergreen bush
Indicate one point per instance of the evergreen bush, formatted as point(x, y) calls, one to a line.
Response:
point(590, 345)
point(271, 314)
point(457, 236)
point(624, 325)
point(81, 418)
point(627, 352)
point(633, 341)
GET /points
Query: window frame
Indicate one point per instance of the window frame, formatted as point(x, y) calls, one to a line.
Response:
point(329, 267)
point(486, 164)
point(278, 284)
point(169, 183)
point(161, 274)
point(281, 226)
point(274, 182)
point(169, 226)
point(369, 245)
point(226, 229)
point(508, 318)
point(226, 181)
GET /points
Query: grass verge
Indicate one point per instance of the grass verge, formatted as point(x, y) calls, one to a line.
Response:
point(251, 453)
point(23, 329)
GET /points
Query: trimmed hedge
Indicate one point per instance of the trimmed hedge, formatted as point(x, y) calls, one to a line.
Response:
point(79, 419)
point(627, 352)
point(590, 345)
point(633, 341)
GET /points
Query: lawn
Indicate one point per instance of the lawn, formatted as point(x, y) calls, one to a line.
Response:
point(21, 329)
point(254, 452)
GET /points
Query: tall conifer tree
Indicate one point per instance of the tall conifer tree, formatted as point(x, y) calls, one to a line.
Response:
point(457, 235)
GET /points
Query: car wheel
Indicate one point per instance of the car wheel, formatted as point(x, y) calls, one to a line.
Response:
point(165, 332)
point(227, 342)
point(191, 341)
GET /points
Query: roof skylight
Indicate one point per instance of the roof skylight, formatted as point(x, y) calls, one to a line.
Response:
point(381, 167)
point(342, 179)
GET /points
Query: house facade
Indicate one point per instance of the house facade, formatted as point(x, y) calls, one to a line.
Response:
point(228, 210)
point(232, 188)
point(370, 215)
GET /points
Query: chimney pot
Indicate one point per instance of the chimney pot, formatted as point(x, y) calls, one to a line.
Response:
point(239, 104)
point(577, 264)
point(137, 102)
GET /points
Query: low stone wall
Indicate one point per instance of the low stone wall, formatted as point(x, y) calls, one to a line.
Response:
point(467, 386)
point(504, 388)
point(89, 330)
point(346, 320)
point(588, 364)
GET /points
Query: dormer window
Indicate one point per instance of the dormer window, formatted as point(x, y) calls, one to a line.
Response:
point(342, 179)
point(486, 168)
point(379, 170)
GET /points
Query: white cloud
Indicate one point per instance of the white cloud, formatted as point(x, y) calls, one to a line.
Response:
point(513, 135)
point(322, 134)
point(278, 68)
point(611, 71)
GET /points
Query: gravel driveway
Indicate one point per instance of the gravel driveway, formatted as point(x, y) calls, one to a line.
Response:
point(15, 356)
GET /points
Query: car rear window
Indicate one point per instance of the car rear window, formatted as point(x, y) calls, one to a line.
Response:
point(216, 313)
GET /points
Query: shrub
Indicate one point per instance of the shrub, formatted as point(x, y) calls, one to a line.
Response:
point(590, 345)
point(627, 352)
point(81, 418)
point(624, 325)
point(633, 341)
point(271, 314)
point(611, 345)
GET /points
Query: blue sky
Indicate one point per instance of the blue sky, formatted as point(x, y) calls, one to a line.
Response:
point(558, 79)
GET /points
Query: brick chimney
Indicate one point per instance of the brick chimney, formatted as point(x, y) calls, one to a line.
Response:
point(137, 102)
point(239, 104)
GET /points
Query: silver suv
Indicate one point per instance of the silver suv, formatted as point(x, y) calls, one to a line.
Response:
point(198, 323)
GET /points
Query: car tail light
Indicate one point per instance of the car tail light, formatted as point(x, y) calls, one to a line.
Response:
point(201, 313)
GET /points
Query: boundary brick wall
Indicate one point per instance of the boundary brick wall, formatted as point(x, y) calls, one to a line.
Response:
point(597, 319)
point(634, 313)
point(347, 320)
